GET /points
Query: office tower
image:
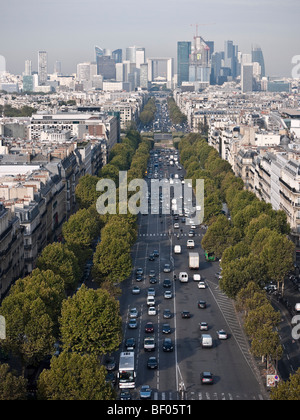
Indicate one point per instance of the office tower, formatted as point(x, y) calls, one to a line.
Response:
point(216, 64)
point(247, 77)
point(28, 83)
point(183, 58)
point(57, 67)
point(28, 68)
point(85, 71)
point(230, 58)
point(43, 67)
point(131, 54)
point(199, 66)
point(99, 52)
point(120, 72)
point(211, 45)
point(106, 67)
point(140, 57)
point(117, 55)
point(144, 76)
point(258, 57)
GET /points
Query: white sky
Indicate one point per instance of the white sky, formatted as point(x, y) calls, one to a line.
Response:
point(69, 29)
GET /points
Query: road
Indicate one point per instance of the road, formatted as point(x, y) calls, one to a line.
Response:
point(235, 375)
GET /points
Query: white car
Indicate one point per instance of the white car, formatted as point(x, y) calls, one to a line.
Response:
point(152, 310)
point(133, 313)
point(201, 285)
point(176, 225)
point(190, 243)
point(222, 335)
point(168, 294)
point(197, 277)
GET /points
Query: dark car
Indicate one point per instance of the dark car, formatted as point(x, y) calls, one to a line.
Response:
point(167, 283)
point(166, 329)
point(139, 277)
point(152, 363)
point(110, 363)
point(167, 314)
point(130, 343)
point(149, 328)
point(139, 271)
point(125, 395)
point(153, 280)
point(185, 314)
point(202, 304)
point(167, 344)
point(207, 378)
point(110, 377)
point(156, 253)
point(151, 257)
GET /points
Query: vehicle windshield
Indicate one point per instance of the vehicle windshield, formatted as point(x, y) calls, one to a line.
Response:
point(126, 376)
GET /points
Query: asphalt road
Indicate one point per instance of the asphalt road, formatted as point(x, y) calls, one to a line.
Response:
point(235, 375)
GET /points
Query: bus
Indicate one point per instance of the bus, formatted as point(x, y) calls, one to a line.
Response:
point(126, 374)
point(209, 256)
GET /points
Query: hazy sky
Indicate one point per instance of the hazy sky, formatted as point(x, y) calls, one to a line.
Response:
point(69, 29)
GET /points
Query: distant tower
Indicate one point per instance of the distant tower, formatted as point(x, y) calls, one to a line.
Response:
point(183, 58)
point(28, 68)
point(258, 57)
point(43, 67)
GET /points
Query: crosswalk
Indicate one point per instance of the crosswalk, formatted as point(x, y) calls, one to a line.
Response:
point(206, 396)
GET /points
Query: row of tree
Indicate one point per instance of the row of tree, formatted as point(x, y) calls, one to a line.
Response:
point(86, 325)
point(147, 115)
point(177, 117)
point(252, 243)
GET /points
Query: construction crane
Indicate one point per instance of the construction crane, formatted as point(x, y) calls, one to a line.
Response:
point(201, 24)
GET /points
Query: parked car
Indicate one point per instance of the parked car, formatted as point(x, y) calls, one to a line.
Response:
point(110, 363)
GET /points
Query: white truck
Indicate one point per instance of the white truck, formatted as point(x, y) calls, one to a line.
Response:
point(194, 261)
point(206, 341)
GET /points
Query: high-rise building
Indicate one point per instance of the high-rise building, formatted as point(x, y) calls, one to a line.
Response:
point(258, 57)
point(28, 68)
point(199, 65)
point(57, 67)
point(247, 77)
point(144, 76)
point(131, 54)
point(117, 55)
point(230, 58)
point(140, 57)
point(183, 59)
point(106, 67)
point(43, 67)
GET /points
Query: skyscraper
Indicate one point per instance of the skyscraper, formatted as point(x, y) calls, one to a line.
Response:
point(230, 58)
point(117, 55)
point(258, 57)
point(199, 67)
point(140, 57)
point(183, 58)
point(28, 68)
point(247, 77)
point(43, 67)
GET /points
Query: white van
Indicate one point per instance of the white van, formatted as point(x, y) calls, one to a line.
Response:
point(177, 249)
point(297, 307)
point(206, 341)
point(150, 300)
point(183, 277)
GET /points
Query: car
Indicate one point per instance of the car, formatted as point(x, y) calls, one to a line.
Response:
point(167, 345)
point(167, 314)
point(203, 326)
point(166, 329)
point(152, 273)
point(168, 294)
point(207, 378)
point(139, 271)
point(167, 268)
point(176, 225)
point(110, 363)
point(130, 343)
point(139, 277)
point(196, 277)
point(136, 290)
point(152, 363)
point(153, 280)
point(151, 291)
point(133, 313)
point(191, 232)
point(125, 395)
point(167, 283)
point(132, 323)
point(145, 392)
point(222, 335)
point(151, 310)
point(151, 257)
point(201, 304)
point(185, 314)
point(110, 377)
point(149, 327)
point(190, 243)
point(201, 285)
point(155, 253)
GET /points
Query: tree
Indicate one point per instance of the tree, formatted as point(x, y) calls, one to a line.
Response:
point(73, 376)
point(12, 387)
point(287, 390)
point(91, 323)
point(62, 261)
point(86, 193)
point(260, 317)
point(266, 343)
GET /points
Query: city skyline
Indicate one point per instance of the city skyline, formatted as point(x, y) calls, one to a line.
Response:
point(61, 29)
